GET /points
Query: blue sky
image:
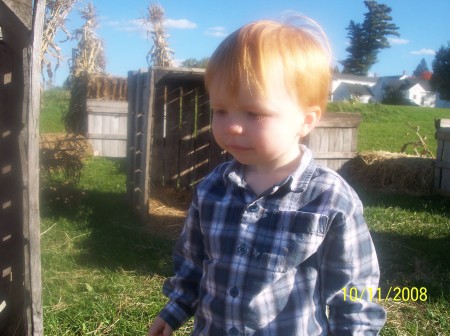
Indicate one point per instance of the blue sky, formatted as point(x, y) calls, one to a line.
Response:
point(196, 27)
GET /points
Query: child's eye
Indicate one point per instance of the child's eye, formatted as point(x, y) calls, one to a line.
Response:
point(219, 112)
point(256, 115)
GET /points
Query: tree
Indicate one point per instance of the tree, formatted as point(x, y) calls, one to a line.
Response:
point(195, 63)
point(368, 38)
point(421, 68)
point(393, 96)
point(440, 80)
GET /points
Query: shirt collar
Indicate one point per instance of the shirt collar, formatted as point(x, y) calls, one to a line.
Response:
point(296, 181)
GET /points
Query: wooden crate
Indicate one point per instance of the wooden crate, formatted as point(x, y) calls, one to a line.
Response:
point(334, 140)
point(442, 162)
point(170, 140)
point(107, 127)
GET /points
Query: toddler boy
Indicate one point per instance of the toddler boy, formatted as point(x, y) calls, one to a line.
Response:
point(271, 239)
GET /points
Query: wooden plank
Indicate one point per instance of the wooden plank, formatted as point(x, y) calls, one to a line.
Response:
point(339, 119)
point(175, 104)
point(131, 135)
point(202, 145)
point(443, 134)
point(187, 156)
point(334, 155)
point(149, 98)
point(106, 106)
point(33, 282)
point(106, 136)
point(157, 148)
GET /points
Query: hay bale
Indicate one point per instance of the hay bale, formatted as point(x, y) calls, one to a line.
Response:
point(393, 172)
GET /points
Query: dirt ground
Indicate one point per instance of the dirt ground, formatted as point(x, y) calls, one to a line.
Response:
point(167, 211)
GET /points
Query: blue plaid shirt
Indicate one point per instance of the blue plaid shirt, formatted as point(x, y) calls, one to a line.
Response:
point(275, 263)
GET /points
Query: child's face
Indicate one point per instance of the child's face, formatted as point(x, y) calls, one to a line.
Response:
point(259, 131)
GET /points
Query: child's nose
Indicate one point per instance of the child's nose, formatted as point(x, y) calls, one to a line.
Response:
point(233, 125)
point(234, 128)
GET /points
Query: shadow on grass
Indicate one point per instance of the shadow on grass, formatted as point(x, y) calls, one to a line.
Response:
point(412, 258)
point(117, 240)
point(411, 261)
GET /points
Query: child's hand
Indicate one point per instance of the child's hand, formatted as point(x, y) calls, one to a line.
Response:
point(159, 327)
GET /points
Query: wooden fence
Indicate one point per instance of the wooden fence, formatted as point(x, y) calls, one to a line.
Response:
point(20, 266)
point(442, 163)
point(107, 127)
point(170, 140)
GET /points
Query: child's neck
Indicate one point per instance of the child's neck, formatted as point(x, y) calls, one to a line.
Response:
point(260, 179)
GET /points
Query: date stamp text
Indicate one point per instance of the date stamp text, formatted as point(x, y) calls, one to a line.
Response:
point(396, 294)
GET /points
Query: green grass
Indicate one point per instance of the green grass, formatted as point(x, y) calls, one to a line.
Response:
point(100, 272)
point(387, 128)
point(54, 106)
point(103, 271)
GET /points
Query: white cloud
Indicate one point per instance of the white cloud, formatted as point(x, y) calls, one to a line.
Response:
point(216, 31)
point(139, 25)
point(423, 51)
point(180, 24)
point(394, 40)
point(136, 25)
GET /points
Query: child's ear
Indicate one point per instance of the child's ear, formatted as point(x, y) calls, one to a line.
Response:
point(311, 118)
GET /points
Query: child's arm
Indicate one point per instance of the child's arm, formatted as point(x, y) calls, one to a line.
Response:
point(183, 288)
point(350, 264)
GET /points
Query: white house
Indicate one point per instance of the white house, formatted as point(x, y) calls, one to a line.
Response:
point(372, 89)
point(351, 87)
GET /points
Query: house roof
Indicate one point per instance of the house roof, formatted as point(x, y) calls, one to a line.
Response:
point(357, 89)
point(355, 78)
point(408, 83)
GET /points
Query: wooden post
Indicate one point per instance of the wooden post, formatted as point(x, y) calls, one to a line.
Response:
point(33, 283)
point(442, 162)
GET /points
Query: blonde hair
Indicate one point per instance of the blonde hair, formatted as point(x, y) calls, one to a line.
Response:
point(256, 51)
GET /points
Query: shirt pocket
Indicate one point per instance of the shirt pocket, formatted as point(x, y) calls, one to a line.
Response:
point(288, 238)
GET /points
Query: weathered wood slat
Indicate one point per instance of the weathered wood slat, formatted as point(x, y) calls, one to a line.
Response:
point(107, 136)
point(106, 107)
point(442, 162)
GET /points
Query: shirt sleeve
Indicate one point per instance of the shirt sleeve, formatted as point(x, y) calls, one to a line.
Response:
point(350, 264)
point(183, 288)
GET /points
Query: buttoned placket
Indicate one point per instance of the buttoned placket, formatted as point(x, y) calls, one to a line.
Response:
point(250, 215)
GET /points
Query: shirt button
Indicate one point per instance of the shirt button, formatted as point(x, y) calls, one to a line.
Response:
point(242, 249)
point(233, 331)
point(253, 208)
point(234, 292)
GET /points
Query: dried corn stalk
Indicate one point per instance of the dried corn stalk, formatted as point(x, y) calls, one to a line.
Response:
point(420, 146)
point(160, 54)
point(88, 61)
point(88, 58)
point(56, 12)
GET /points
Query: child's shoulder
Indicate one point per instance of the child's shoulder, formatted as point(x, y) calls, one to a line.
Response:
point(216, 176)
point(327, 180)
